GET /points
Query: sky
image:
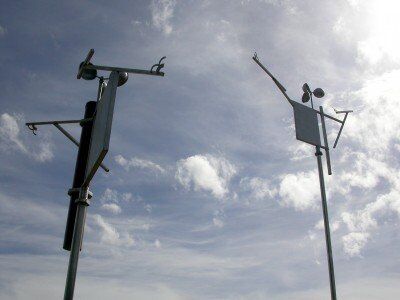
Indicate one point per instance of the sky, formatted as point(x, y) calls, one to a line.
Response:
point(210, 195)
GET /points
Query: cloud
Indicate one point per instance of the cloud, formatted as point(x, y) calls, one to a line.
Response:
point(372, 133)
point(362, 222)
point(383, 26)
point(375, 124)
point(372, 26)
point(9, 132)
point(110, 235)
point(333, 226)
point(137, 163)
point(111, 198)
point(354, 242)
point(259, 189)
point(112, 207)
point(218, 219)
point(205, 172)
point(110, 195)
point(162, 12)
point(45, 151)
point(299, 190)
point(11, 139)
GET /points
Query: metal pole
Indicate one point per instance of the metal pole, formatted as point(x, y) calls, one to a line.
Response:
point(80, 169)
point(78, 204)
point(318, 154)
point(76, 243)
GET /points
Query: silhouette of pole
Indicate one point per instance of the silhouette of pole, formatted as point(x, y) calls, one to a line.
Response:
point(80, 169)
point(78, 203)
point(318, 154)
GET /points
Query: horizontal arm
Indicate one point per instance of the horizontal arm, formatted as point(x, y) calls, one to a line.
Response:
point(329, 117)
point(32, 126)
point(58, 122)
point(134, 71)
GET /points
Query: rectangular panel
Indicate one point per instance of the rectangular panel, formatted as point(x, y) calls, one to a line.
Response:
point(101, 132)
point(306, 122)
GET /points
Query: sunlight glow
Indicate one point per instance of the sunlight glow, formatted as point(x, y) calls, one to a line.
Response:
point(383, 41)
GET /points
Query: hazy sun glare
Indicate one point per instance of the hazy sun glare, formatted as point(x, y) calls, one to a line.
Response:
point(384, 26)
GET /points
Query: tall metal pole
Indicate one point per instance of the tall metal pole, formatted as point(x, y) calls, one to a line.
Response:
point(76, 243)
point(80, 169)
point(318, 154)
point(78, 203)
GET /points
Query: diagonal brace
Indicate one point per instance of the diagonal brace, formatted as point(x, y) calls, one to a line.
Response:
point(32, 126)
point(72, 139)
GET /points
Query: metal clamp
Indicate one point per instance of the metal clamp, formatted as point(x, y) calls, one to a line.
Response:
point(73, 191)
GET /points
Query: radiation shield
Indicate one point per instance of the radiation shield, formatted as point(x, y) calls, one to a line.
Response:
point(101, 132)
point(306, 123)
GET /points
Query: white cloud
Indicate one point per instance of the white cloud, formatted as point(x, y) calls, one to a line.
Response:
point(162, 12)
point(11, 139)
point(260, 189)
point(384, 27)
point(376, 42)
point(354, 242)
point(300, 191)
point(126, 197)
point(110, 195)
point(110, 235)
point(218, 222)
point(372, 131)
point(333, 226)
point(299, 151)
point(112, 207)
point(45, 151)
point(148, 208)
point(157, 243)
point(362, 222)
point(375, 123)
point(205, 172)
point(137, 163)
point(9, 132)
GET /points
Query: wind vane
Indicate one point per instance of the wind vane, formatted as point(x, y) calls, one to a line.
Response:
point(92, 148)
point(307, 130)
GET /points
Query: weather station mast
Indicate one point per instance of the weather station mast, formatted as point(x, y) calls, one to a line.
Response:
point(307, 130)
point(92, 148)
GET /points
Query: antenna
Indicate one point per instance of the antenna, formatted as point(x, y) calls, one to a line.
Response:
point(92, 149)
point(278, 84)
point(307, 130)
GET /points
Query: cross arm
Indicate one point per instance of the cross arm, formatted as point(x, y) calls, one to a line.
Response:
point(278, 84)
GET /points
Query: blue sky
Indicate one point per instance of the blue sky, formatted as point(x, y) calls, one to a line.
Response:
point(210, 196)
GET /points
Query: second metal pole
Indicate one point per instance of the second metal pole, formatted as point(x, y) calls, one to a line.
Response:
point(318, 154)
